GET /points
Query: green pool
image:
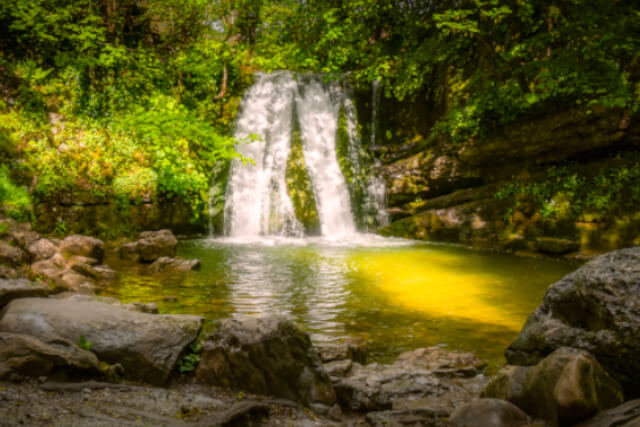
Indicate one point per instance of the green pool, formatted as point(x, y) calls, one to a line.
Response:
point(397, 294)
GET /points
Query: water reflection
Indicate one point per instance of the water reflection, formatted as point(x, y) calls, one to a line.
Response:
point(398, 295)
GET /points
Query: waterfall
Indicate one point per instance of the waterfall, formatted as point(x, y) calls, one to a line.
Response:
point(257, 201)
point(375, 97)
point(376, 188)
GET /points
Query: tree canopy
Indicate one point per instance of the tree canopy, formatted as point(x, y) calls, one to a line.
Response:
point(153, 85)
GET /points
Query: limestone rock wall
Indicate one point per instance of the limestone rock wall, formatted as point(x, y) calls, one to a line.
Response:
point(84, 213)
point(443, 191)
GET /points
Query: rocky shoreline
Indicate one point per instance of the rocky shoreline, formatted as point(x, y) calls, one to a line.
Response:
point(68, 357)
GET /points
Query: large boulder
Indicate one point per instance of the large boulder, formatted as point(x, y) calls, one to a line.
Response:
point(488, 413)
point(26, 356)
point(83, 246)
point(424, 378)
point(266, 355)
point(12, 255)
point(625, 415)
point(596, 308)
point(150, 246)
point(11, 289)
point(565, 388)
point(146, 345)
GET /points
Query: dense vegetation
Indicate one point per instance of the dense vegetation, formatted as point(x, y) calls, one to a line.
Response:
point(134, 99)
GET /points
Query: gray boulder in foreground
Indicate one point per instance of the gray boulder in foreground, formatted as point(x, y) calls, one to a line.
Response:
point(146, 345)
point(266, 355)
point(26, 356)
point(596, 308)
point(565, 388)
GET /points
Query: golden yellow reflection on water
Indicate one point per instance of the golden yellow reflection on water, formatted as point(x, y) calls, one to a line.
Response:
point(430, 283)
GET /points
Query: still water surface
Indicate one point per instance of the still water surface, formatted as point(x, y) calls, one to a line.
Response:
point(397, 294)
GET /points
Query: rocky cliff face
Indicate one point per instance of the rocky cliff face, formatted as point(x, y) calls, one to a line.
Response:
point(454, 192)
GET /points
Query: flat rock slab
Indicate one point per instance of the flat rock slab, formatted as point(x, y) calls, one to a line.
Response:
point(11, 289)
point(424, 378)
point(146, 345)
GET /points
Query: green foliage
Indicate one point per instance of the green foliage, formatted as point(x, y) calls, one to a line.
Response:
point(84, 344)
point(190, 360)
point(14, 200)
point(143, 94)
point(567, 192)
point(60, 228)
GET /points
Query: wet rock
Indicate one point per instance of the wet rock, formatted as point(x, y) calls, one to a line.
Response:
point(164, 264)
point(95, 272)
point(425, 378)
point(11, 289)
point(150, 246)
point(595, 309)
point(26, 356)
point(338, 368)
point(42, 249)
point(129, 251)
point(12, 255)
point(565, 388)
point(266, 355)
point(408, 417)
point(443, 362)
point(555, 246)
point(155, 244)
point(625, 415)
point(353, 349)
point(489, 413)
point(83, 246)
point(76, 282)
point(146, 345)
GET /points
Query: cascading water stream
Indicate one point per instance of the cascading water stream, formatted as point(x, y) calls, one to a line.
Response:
point(257, 201)
point(318, 107)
